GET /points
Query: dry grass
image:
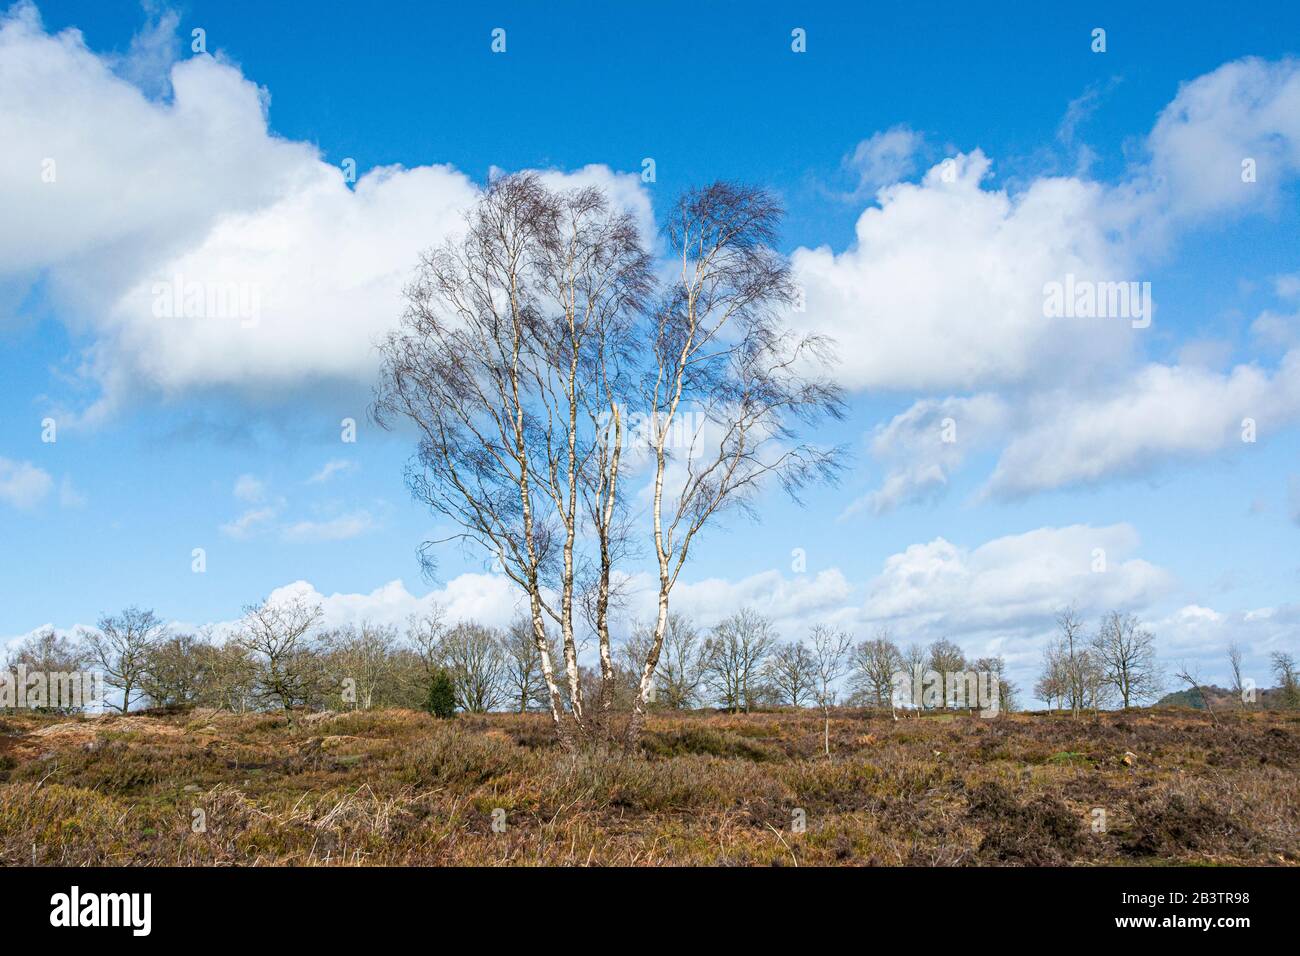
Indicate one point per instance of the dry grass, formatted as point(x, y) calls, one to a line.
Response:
point(397, 787)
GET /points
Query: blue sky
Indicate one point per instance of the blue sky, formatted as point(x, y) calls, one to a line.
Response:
point(1123, 165)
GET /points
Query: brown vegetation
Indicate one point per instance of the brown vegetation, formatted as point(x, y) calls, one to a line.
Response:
point(399, 787)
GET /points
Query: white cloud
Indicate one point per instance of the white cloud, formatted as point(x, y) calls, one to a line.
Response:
point(330, 469)
point(194, 199)
point(22, 484)
point(1013, 581)
point(943, 288)
point(941, 292)
point(1162, 413)
point(1280, 329)
point(340, 528)
point(788, 601)
point(996, 598)
point(1277, 329)
point(1246, 109)
point(882, 159)
point(490, 599)
point(1200, 636)
point(248, 523)
point(926, 443)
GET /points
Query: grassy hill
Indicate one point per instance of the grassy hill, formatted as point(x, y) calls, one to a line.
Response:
point(1221, 699)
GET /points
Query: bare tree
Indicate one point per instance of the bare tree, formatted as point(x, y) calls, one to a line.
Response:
point(830, 651)
point(1053, 685)
point(681, 667)
point(1284, 670)
point(875, 663)
point(789, 671)
point(734, 657)
point(174, 671)
point(120, 649)
point(1097, 692)
point(914, 659)
point(507, 361)
point(229, 675)
point(1193, 680)
point(1071, 627)
point(996, 668)
point(425, 631)
point(473, 657)
point(1126, 652)
point(681, 663)
point(631, 655)
point(48, 652)
point(728, 384)
point(522, 672)
point(362, 663)
point(278, 638)
point(944, 658)
point(519, 353)
point(1238, 683)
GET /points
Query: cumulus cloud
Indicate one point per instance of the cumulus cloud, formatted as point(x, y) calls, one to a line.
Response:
point(198, 249)
point(999, 597)
point(788, 601)
point(1053, 438)
point(995, 598)
point(1248, 109)
point(195, 249)
point(490, 599)
point(944, 287)
point(1162, 413)
point(22, 484)
point(1013, 580)
point(1200, 636)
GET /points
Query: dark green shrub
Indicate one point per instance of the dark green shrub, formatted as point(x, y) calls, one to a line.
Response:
point(442, 696)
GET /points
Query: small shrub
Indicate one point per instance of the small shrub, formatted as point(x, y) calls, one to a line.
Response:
point(441, 701)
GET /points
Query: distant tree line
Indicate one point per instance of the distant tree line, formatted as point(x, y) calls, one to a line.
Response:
point(280, 657)
point(1116, 666)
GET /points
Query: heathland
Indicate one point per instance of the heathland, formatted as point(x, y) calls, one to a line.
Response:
point(206, 787)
